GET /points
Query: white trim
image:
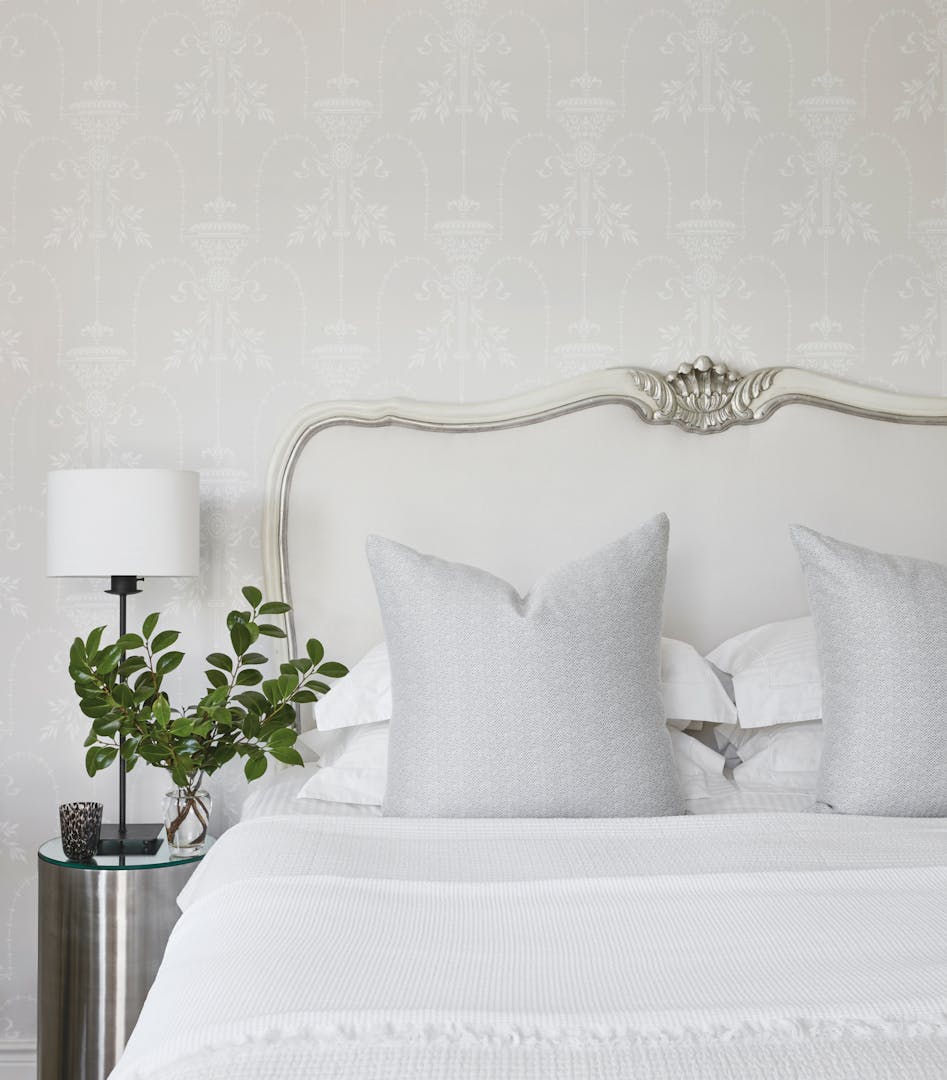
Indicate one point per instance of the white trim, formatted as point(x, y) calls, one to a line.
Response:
point(18, 1059)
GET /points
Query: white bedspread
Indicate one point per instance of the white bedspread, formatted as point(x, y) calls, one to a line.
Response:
point(426, 950)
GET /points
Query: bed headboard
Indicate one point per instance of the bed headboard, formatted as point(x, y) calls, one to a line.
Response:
point(520, 485)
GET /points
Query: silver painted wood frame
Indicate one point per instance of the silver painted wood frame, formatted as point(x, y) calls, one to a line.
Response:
point(703, 398)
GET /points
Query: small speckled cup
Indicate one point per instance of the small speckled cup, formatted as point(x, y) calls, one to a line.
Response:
point(80, 823)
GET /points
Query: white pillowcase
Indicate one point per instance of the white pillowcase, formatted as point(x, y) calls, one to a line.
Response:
point(775, 672)
point(784, 757)
point(354, 765)
point(693, 695)
point(362, 697)
point(692, 692)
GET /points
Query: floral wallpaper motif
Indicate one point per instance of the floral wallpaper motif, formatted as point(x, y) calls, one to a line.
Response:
point(210, 212)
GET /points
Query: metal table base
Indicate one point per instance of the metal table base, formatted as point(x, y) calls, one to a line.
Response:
point(102, 933)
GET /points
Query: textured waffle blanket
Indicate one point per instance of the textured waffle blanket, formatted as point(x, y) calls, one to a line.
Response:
point(772, 946)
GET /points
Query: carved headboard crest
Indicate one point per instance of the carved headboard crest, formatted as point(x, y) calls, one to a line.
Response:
point(703, 396)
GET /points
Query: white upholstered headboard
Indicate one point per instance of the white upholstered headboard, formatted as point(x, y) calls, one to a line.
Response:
point(520, 485)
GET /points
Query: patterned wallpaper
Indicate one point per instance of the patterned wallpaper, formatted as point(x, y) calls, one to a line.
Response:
point(213, 210)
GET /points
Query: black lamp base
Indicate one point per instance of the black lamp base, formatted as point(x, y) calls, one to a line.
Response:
point(134, 840)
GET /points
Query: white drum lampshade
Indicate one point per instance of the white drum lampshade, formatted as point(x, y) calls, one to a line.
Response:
point(122, 522)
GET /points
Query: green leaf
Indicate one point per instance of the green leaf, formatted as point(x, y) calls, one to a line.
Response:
point(318, 687)
point(93, 641)
point(253, 701)
point(99, 757)
point(249, 677)
point(274, 607)
point(77, 656)
point(288, 755)
point(287, 684)
point(286, 714)
point(269, 630)
point(225, 754)
point(130, 665)
point(164, 640)
point(183, 725)
point(332, 670)
point(220, 660)
point(282, 737)
point(129, 641)
point(161, 711)
point(304, 697)
point(168, 662)
point(255, 767)
point(148, 626)
point(240, 638)
point(216, 697)
point(255, 658)
point(315, 651)
point(252, 595)
point(154, 755)
point(124, 696)
point(270, 688)
point(106, 726)
point(145, 679)
point(94, 707)
point(129, 750)
point(216, 678)
point(108, 659)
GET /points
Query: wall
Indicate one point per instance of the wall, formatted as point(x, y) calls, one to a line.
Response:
point(210, 212)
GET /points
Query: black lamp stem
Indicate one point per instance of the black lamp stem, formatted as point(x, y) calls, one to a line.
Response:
point(123, 586)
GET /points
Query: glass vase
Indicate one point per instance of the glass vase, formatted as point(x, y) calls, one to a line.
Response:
point(186, 815)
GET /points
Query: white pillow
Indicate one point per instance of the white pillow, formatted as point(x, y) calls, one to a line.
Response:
point(775, 672)
point(362, 697)
point(693, 695)
point(353, 764)
point(784, 757)
point(699, 767)
point(354, 767)
point(692, 692)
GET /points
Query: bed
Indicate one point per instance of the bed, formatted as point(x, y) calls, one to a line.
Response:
point(739, 944)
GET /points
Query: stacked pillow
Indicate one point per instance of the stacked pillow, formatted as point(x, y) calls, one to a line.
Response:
point(775, 744)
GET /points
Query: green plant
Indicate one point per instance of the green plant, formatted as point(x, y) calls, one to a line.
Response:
point(241, 713)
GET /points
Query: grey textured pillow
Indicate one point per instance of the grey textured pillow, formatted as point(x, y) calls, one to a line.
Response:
point(544, 705)
point(881, 624)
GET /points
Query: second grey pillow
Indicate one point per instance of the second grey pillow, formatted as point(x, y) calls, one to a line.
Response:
point(545, 705)
point(881, 624)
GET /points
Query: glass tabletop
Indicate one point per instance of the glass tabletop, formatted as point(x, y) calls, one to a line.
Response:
point(52, 852)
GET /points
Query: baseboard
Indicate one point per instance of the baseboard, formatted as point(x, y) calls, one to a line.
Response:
point(17, 1059)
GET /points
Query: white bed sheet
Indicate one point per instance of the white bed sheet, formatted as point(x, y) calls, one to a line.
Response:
point(358, 948)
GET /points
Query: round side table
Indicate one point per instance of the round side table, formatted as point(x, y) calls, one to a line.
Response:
point(103, 927)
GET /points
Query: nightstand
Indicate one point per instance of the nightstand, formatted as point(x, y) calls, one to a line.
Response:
point(102, 932)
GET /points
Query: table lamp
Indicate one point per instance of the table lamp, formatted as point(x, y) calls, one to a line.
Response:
point(125, 525)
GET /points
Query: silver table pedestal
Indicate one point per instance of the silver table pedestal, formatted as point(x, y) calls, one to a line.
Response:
point(102, 933)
